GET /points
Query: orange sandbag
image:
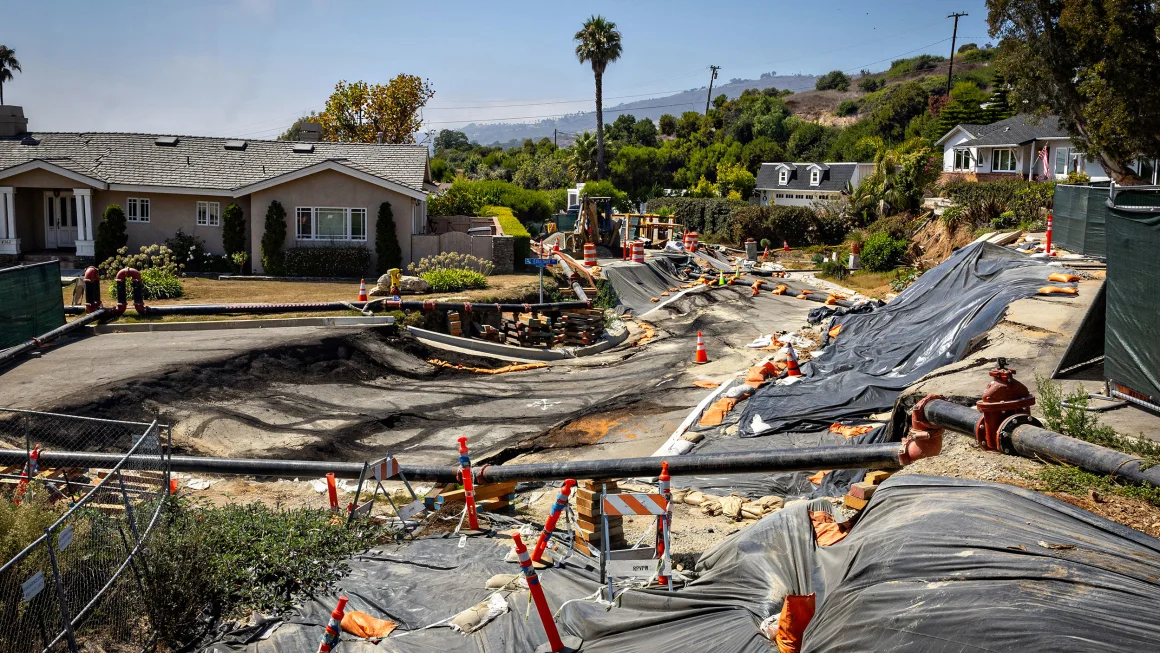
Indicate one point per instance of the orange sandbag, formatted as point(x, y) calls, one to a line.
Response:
point(705, 384)
point(361, 624)
point(755, 376)
point(1057, 290)
point(832, 299)
point(796, 615)
point(1062, 277)
point(826, 530)
point(817, 477)
point(835, 330)
point(716, 413)
point(850, 431)
point(780, 289)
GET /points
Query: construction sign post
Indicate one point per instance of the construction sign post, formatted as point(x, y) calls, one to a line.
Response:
point(540, 263)
point(380, 470)
point(639, 562)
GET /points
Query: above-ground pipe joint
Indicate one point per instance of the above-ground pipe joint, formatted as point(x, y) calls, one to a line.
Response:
point(138, 291)
point(92, 289)
point(925, 438)
point(1003, 397)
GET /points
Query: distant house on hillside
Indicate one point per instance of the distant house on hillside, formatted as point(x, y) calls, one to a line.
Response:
point(802, 184)
point(1019, 146)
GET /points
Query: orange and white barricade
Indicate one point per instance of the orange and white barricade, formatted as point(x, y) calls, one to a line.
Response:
point(641, 562)
point(589, 255)
point(378, 471)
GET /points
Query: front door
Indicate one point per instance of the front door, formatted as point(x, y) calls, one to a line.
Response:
point(60, 220)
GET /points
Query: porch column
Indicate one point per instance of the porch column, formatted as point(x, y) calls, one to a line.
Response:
point(9, 243)
point(84, 240)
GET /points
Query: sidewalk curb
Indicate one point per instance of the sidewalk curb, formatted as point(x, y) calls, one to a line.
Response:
point(220, 325)
point(510, 352)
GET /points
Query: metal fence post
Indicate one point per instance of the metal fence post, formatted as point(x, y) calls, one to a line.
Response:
point(60, 596)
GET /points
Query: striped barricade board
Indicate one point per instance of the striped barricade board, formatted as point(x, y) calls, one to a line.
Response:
point(385, 468)
point(640, 562)
point(635, 504)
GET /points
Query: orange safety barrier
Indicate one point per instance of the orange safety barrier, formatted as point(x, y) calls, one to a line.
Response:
point(702, 355)
point(1058, 290)
point(1062, 277)
point(791, 362)
point(332, 490)
point(589, 254)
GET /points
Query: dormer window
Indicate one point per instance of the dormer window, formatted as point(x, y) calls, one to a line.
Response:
point(815, 177)
point(782, 177)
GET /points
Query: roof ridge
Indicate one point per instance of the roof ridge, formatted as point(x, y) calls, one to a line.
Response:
point(222, 138)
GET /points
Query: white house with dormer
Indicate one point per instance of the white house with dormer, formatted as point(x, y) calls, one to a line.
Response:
point(802, 184)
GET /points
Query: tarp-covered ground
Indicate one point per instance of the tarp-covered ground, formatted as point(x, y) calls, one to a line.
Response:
point(878, 354)
point(933, 565)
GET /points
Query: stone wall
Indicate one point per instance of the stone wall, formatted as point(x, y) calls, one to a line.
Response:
point(502, 254)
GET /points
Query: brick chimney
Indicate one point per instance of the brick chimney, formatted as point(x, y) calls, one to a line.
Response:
point(310, 132)
point(12, 120)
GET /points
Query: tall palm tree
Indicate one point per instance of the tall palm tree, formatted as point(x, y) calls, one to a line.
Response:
point(580, 163)
point(8, 63)
point(598, 43)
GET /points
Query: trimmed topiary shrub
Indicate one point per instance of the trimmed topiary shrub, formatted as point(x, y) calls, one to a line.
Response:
point(233, 230)
point(522, 240)
point(112, 233)
point(349, 261)
point(273, 238)
point(883, 252)
point(452, 280)
point(390, 255)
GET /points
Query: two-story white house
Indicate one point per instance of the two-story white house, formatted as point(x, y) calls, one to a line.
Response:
point(1022, 146)
point(802, 184)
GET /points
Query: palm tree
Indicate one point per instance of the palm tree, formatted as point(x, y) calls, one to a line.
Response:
point(8, 63)
point(598, 43)
point(580, 164)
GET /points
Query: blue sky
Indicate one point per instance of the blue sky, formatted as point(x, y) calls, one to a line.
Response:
point(249, 67)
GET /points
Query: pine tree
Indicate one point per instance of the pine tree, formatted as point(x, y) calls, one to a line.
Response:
point(998, 105)
point(273, 237)
point(387, 240)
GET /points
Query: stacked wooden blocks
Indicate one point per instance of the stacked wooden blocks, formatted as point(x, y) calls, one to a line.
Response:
point(582, 326)
point(527, 330)
point(860, 493)
point(589, 525)
point(454, 326)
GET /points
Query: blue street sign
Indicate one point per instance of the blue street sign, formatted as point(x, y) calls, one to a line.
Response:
point(540, 262)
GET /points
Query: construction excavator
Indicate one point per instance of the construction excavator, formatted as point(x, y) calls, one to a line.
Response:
point(594, 224)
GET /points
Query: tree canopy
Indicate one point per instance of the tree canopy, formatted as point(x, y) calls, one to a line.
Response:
point(358, 112)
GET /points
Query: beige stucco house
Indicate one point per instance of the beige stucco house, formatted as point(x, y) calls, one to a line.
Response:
point(55, 186)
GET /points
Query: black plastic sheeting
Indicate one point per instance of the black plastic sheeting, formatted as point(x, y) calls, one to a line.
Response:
point(878, 354)
point(1132, 353)
point(933, 564)
point(1087, 345)
point(1079, 219)
point(637, 284)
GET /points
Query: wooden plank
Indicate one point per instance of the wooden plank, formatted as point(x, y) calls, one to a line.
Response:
point(493, 490)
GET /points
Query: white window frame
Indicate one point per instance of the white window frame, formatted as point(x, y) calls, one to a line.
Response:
point(995, 160)
point(137, 209)
point(815, 177)
point(962, 159)
point(782, 177)
point(349, 213)
point(211, 216)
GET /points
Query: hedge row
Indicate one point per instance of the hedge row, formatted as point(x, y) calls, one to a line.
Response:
point(522, 245)
point(704, 215)
point(348, 261)
point(798, 225)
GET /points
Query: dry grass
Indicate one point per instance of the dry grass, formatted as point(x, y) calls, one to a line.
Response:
point(871, 284)
point(212, 291)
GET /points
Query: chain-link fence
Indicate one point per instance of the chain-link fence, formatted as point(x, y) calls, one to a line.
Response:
point(72, 528)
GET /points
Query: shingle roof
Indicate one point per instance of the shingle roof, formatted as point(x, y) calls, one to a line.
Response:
point(836, 177)
point(203, 162)
point(1016, 130)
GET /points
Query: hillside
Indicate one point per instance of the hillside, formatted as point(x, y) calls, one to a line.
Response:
point(676, 104)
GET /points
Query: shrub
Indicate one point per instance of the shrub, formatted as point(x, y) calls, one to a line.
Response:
point(898, 226)
point(870, 84)
point(387, 240)
point(454, 280)
point(452, 261)
point(233, 230)
point(189, 252)
point(112, 233)
point(273, 238)
point(983, 202)
point(350, 261)
point(704, 215)
point(234, 559)
point(457, 200)
point(883, 252)
point(835, 80)
point(153, 256)
point(799, 225)
point(522, 247)
point(161, 284)
point(604, 188)
point(846, 108)
point(835, 270)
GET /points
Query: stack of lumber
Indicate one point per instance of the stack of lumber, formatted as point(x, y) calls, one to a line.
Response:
point(526, 330)
point(454, 326)
point(488, 332)
point(860, 493)
point(492, 497)
point(582, 326)
point(589, 525)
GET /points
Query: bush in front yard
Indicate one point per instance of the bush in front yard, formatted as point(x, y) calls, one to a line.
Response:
point(451, 261)
point(883, 252)
point(153, 256)
point(112, 233)
point(158, 283)
point(350, 261)
point(452, 280)
point(387, 240)
point(273, 237)
point(233, 230)
point(522, 240)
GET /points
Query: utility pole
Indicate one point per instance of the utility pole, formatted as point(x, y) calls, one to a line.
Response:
point(710, 96)
point(554, 145)
point(954, 35)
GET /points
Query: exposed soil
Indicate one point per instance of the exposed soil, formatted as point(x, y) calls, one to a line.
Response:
point(934, 242)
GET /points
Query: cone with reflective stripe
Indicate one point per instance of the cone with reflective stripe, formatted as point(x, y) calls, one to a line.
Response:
point(553, 517)
point(334, 628)
point(785, 245)
point(468, 485)
point(555, 644)
point(702, 355)
point(663, 488)
point(791, 362)
point(362, 290)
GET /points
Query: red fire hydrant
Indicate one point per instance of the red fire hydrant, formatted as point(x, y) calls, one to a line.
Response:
point(1004, 396)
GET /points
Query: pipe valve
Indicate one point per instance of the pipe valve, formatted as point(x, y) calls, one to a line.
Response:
point(1003, 397)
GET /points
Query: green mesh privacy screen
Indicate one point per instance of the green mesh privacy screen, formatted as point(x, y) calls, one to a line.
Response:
point(1131, 348)
point(30, 302)
point(1080, 217)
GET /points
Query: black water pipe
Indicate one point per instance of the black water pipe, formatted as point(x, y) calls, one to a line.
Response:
point(873, 456)
point(12, 353)
point(1032, 441)
point(74, 310)
point(378, 304)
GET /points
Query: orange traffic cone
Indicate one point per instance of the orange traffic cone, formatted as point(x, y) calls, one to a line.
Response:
point(785, 245)
point(702, 355)
point(362, 290)
point(791, 362)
